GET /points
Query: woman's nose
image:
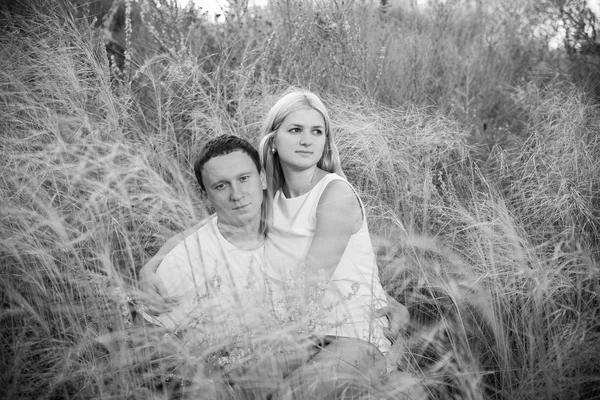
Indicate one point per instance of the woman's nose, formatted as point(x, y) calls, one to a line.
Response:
point(306, 139)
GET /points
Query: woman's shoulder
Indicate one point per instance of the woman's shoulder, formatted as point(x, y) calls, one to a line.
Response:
point(338, 193)
point(339, 204)
point(333, 184)
point(339, 190)
point(332, 176)
point(330, 181)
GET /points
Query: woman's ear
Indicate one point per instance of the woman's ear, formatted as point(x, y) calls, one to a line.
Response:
point(263, 180)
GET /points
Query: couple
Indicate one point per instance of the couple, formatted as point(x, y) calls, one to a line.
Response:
point(288, 232)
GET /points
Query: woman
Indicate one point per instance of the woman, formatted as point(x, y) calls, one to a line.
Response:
point(319, 226)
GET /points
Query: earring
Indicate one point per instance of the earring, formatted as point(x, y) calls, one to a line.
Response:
point(273, 150)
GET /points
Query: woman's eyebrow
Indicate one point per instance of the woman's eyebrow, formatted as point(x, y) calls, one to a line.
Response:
point(298, 124)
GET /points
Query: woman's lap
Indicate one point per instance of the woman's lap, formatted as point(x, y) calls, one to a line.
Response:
point(326, 368)
point(343, 367)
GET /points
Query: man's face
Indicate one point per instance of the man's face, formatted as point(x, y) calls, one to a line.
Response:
point(234, 188)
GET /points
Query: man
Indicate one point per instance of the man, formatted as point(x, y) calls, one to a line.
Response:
point(216, 272)
point(218, 260)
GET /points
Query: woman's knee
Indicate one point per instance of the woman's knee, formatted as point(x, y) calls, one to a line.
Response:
point(351, 355)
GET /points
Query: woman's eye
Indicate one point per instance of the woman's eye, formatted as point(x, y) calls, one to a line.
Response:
point(220, 186)
point(295, 130)
point(318, 132)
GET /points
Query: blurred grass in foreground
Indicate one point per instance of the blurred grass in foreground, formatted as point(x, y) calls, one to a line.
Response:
point(497, 261)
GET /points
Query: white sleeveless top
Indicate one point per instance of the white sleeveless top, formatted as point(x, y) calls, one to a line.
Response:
point(354, 291)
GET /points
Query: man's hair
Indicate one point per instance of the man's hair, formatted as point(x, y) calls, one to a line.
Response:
point(226, 144)
point(220, 146)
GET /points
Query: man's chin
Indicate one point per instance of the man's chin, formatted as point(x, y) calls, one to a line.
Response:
point(244, 218)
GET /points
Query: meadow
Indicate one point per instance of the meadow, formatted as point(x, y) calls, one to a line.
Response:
point(475, 146)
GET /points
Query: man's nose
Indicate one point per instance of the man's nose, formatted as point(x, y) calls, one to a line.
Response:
point(236, 193)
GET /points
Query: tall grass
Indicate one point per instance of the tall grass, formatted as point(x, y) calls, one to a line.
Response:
point(497, 261)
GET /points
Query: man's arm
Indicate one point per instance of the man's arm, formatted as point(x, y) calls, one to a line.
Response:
point(151, 285)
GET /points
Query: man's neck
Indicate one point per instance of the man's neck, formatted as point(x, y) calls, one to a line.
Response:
point(246, 237)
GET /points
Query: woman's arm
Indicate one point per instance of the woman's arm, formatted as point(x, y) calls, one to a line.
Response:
point(398, 317)
point(339, 216)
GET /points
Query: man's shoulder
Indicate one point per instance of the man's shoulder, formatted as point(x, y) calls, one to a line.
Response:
point(205, 228)
point(192, 244)
point(202, 228)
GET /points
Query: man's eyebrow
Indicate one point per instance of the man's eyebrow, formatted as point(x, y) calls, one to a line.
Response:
point(249, 172)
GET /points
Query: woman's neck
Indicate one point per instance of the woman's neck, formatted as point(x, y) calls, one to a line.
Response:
point(297, 183)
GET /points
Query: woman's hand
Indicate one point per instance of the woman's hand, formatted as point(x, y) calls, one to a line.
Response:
point(398, 318)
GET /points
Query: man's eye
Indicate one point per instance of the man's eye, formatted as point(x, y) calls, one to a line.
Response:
point(220, 186)
point(245, 178)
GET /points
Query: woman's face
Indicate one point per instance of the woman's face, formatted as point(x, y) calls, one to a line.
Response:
point(300, 139)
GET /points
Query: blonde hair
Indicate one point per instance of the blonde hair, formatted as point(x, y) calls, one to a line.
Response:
point(293, 100)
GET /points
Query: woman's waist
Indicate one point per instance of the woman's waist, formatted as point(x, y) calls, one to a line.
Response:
point(353, 298)
point(361, 269)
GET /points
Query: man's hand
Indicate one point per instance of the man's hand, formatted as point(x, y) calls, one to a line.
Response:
point(153, 292)
point(398, 318)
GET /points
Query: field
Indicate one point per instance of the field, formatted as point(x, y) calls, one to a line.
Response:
point(474, 144)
